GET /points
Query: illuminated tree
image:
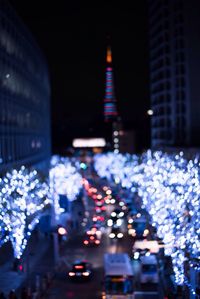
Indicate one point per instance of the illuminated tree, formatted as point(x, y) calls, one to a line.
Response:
point(64, 180)
point(23, 196)
point(170, 190)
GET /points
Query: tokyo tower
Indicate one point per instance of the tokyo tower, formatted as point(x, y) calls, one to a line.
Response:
point(110, 110)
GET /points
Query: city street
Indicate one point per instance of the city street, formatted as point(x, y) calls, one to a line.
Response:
point(99, 149)
point(74, 250)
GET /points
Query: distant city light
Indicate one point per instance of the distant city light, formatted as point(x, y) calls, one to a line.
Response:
point(150, 112)
point(62, 231)
point(89, 142)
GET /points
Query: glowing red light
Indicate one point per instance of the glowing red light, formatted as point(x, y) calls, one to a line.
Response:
point(78, 267)
point(20, 267)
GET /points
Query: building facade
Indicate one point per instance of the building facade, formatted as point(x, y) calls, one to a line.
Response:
point(124, 141)
point(174, 30)
point(24, 95)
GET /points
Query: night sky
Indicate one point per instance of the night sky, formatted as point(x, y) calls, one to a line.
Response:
point(73, 37)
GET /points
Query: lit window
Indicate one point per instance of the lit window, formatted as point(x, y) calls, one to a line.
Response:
point(150, 112)
point(38, 145)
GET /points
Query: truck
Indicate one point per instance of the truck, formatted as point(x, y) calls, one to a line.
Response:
point(118, 276)
point(149, 269)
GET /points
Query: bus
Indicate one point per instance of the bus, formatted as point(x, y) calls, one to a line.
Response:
point(149, 269)
point(118, 276)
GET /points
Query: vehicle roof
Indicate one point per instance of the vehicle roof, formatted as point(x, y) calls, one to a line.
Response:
point(140, 219)
point(146, 260)
point(117, 264)
point(152, 245)
point(78, 262)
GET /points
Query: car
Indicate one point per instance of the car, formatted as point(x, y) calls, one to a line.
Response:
point(149, 269)
point(95, 230)
point(115, 233)
point(116, 218)
point(138, 228)
point(91, 239)
point(114, 221)
point(145, 248)
point(98, 219)
point(81, 270)
point(117, 213)
point(141, 252)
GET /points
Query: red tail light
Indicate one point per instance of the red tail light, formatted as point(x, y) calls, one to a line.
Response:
point(78, 267)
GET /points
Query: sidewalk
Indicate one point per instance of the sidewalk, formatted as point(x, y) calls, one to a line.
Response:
point(38, 259)
point(9, 279)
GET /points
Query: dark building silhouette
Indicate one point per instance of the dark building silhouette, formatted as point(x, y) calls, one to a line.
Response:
point(24, 95)
point(174, 41)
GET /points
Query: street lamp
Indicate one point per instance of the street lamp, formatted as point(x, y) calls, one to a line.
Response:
point(150, 112)
point(62, 231)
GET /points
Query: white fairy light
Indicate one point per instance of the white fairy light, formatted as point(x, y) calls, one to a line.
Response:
point(18, 206)
point(170, 190)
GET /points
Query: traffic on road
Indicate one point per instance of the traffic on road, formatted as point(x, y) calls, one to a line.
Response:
point(116, 253)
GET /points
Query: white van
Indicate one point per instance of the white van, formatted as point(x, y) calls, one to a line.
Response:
point(149, 269)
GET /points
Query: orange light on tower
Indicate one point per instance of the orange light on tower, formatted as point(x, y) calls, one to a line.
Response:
point(109, 55)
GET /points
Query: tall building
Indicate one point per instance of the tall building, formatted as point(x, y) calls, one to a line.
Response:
point(110, 109)
point(24, 95)
point(174, 31)
point(122, 141)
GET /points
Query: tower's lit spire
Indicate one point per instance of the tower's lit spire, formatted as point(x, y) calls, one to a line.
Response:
point(109, 55)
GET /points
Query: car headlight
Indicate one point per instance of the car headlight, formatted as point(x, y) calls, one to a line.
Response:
point(119, 235)
point(109, 222)
point(98, 233)
point(121, 214)
point(136, 255)
point(86, 273)
point(113, 214)
point(71, 274)
point(132, 232)
point(111, 235)
point(119, 222)
point(146, 232)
